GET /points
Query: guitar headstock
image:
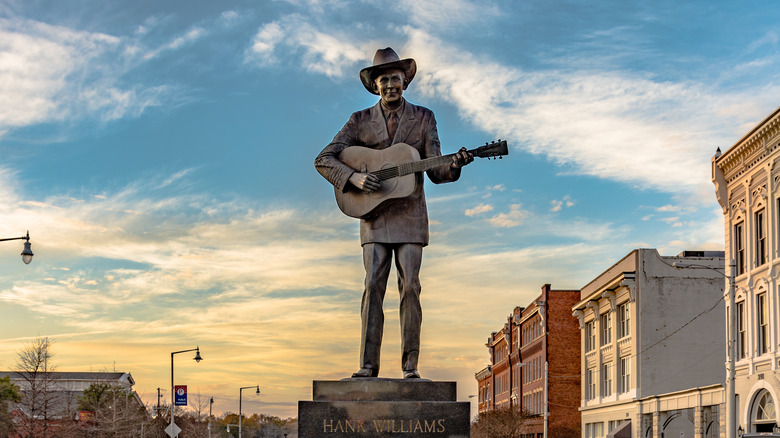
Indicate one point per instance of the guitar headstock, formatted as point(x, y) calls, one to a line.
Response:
point(491, 150)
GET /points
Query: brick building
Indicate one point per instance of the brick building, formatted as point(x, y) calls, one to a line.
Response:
point(541, 335)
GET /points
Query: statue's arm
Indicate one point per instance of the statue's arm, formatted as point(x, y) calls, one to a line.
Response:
point(335, 171)
point(445, 173)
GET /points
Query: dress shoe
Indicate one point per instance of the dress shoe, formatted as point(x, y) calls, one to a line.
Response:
point(411, 374)
point(366, 372)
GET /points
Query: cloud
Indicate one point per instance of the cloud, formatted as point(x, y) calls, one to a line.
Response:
point(479, 209)
point(448, 14)
point(557, 205)
point(53, 73)
point(513, 218)
point(331, 53)
point(617, 125)
point(602, 121)
point(668, 208)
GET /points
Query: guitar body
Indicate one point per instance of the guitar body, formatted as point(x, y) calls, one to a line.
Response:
point(396, 167)
point(354, 202)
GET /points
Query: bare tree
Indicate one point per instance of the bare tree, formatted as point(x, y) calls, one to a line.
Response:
point(199, 405)
point(35, 366)
point(501, 423)
point(198, 427)
point(116, 411)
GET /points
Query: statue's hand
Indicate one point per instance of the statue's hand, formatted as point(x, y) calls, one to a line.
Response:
point(461, 158)
point(365, 182)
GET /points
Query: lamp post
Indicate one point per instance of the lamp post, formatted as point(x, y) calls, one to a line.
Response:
point(211, 403)
point(731, 407)
point(240, 394)
point(197, 358)
point(27, 253)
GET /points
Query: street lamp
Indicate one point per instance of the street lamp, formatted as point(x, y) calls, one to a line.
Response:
point(197, 358)
point(27, 253)
point(240, 394)
point(731, 406)
point(211, 403)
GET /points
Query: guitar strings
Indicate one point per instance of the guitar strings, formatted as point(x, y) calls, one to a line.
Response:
point(410, 167)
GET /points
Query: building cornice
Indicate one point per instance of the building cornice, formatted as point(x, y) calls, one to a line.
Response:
point(751, 149)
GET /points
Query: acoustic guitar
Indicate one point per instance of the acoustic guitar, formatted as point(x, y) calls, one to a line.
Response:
point(395, 167)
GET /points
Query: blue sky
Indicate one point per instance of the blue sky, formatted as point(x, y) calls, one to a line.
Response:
point(161, 155)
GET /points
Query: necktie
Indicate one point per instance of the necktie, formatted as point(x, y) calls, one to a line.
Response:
point(392, 125)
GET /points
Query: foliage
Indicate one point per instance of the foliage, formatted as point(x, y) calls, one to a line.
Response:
point(257, 425)
point(8, 393)
point(501, 423)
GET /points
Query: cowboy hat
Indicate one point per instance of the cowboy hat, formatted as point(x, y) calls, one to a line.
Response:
point(383, 60)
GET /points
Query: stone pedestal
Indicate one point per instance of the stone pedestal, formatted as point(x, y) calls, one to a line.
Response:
point(377, 407)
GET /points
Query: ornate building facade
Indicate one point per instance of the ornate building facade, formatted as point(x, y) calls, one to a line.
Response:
point(747, 186)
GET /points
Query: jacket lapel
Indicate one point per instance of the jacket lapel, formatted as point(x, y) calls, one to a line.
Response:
point(405, 124)
point(378, 126)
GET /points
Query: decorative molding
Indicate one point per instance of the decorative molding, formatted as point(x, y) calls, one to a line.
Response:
point(751, 150)
point(737, 210)
point(629, 282)
point(611, 296)
point(580, 315)
point(594, 305)
point(542, 320)
point(758, 197)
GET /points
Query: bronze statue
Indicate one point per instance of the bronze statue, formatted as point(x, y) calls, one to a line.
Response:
point(394, 227)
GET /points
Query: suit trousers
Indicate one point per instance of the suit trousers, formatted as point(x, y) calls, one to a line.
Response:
point(376, 259)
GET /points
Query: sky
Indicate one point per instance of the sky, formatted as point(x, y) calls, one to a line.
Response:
point(161, 156)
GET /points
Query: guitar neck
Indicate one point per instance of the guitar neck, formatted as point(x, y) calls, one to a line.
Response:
point(413, 167)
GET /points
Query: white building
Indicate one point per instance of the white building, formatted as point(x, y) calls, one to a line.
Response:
point(747, 186)
point(652, 347)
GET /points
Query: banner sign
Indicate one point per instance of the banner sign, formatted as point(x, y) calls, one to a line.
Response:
point(180, 398)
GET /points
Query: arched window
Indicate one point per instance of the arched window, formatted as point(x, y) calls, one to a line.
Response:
point(765, 409)
point(764, 413)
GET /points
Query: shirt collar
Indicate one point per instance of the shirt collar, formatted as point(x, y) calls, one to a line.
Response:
point(387, 111)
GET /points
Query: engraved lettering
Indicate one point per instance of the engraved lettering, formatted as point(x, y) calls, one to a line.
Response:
point(441, 426)
point(339, 426)
point(379, 425)
point(430, 427)
point(417, 426)
point(327, 425)
point(350, 426)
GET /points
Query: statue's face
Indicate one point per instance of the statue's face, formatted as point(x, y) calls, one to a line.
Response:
point(390, 86)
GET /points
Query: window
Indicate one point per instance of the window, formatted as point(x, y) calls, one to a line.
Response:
point(766, 408)
point(614, 424)
point(624, 320)
point(763, 325)
point(590, 384)
point(606, 379)
point(590, 336)
point(605, 323)
point(739, 248)
point(594, 430)
point(760, 238)
point(625, 374)
point(741, 331)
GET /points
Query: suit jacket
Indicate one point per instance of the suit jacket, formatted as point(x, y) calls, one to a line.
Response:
point(400, 220)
